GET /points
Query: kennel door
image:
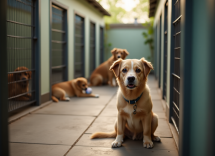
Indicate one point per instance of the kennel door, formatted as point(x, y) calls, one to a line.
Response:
point(79, 47)
point(58, 45)
point(92, 62)
point(21, 53)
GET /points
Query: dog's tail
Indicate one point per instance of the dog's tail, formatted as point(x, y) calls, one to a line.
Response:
point(54, 99)
point(103, 135)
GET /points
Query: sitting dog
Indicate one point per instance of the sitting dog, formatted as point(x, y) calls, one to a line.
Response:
point(102, 75)
point(135, 117)
point(18, 83)
point(67, 89)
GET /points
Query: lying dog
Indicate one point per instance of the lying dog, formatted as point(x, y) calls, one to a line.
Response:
point(67, 89)
point(102, 75)
point(18, 83)
point(135, 117)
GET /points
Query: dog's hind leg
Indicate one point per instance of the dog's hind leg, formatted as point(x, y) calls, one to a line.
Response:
point(154, 127)
point(61, 94)
point(96, 80)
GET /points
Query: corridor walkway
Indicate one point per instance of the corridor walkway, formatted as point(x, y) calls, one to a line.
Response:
point(64, 128)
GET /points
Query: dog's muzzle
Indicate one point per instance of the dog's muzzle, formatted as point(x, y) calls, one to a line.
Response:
point(131, 80)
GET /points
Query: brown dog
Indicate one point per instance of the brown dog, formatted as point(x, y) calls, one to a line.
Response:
point(71, 88)
point(18, 83)
point(135, 117)
point(102, 75)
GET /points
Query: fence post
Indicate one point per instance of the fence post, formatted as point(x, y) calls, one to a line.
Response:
point(4, 147)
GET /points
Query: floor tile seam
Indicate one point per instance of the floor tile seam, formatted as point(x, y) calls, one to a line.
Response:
point(64, 114)
point(127, 148)
point(89, 125)
point(39, 143)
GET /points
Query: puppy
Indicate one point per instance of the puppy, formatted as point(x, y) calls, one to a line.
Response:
point(102, 75)
point(18, 83)
point(135, 118)
point(67, 89)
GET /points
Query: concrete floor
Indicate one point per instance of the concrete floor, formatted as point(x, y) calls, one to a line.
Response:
point(64, 128)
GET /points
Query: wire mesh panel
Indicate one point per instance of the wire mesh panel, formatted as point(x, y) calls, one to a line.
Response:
point(101, 44)
point(21, 53)
point(58, 45)
point(79, 46)
point(176, 64)
point(92, 47)
point(165, 52)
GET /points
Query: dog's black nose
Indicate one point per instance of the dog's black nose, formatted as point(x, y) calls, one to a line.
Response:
point(131, 79)
point(118, 56)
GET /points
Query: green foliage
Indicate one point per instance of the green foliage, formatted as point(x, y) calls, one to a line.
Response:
point(118, 13)
point(149, 36)
point(106, 44)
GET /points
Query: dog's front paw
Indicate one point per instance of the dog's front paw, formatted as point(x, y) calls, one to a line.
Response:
point(96, 95)
point(67, 99)
point(117, 143)
point(156, 138)
point(147, 144)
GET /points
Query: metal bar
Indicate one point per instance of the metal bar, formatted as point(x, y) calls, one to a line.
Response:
point(24, 3)
point(175, 105)
point(57, 67)
point(177, 33)
point(60, 42)
point(21, 37)
point(177, 19)
point(175, 124)
point(175, 75)
point(177, 58)
point(176, 2)
point(13, 97)
point(22, 105)
point(60, 31)
point(22, 71)
point(18, 81)
point(20, 23)
point(176, 90)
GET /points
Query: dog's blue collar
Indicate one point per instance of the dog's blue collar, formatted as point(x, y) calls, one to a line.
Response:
point(133, 101)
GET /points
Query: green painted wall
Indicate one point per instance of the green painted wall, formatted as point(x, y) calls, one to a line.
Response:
point(90, 14)
point(130, 39)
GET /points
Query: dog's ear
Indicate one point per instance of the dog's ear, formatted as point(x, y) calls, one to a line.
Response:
point(78, 84)
point(29, 74)
point(16, 76)
point(147, 66)
point(115, 67)
point(113, 51)
point(126, 53)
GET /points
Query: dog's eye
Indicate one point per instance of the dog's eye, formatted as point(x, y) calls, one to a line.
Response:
point(20, 74)
point(138, 70)
point(124, 70)
point(83, 85)
point(116, 52)
point(25, 73)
